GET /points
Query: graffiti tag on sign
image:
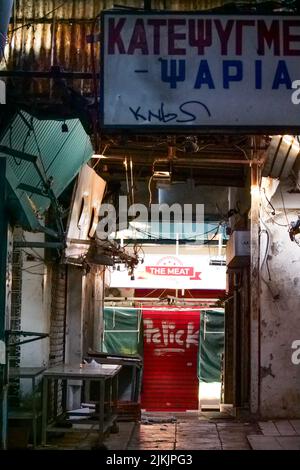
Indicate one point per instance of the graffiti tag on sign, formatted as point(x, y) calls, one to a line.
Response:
point(169, 338)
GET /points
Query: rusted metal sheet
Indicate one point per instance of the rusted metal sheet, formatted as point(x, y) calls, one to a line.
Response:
point(54, 32)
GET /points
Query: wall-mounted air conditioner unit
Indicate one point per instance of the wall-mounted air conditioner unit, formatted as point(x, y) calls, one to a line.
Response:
point(238, 249)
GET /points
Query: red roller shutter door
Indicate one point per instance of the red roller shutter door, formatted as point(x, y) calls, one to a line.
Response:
point(171, 339)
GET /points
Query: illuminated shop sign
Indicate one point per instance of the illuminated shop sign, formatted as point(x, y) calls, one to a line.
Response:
point(172, 272)
point(184, 70)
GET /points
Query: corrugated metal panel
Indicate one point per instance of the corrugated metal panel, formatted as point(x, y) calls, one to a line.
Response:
point(59, 38)
point(171, 339)
point(62, 156)
point(5, 13)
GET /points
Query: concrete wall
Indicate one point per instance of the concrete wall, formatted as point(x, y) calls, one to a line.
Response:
point(76, 282)
point(35, 313)
point(279, 310)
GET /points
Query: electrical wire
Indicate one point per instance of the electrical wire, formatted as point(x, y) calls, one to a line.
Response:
point(30, 254)
point(272, 217)
point(269, 202)
point(152, 237)
point(284, 209)
point(265, 261)
point(150, 191)
point(131, 181)
point(242, 150)
point(126, 175)
point(33, 266)
point(28, 271)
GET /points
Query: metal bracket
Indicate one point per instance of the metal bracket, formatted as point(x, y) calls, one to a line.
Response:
point(9, 333)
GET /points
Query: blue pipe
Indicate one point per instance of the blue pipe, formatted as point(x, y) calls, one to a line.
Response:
point(5, 14)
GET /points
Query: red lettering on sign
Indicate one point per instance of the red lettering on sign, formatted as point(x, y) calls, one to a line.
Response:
point(224, 34)
point(268, 36)
point(138, 39)
point(173, 37)
point(157, 24)
point(114, 36)
point(201, 37)
point(288, 37)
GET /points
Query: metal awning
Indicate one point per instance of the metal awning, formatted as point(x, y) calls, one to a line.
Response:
point(43, 156)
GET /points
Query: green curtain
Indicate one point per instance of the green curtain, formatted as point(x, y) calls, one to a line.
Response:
point(211, 345)
point(122, 331)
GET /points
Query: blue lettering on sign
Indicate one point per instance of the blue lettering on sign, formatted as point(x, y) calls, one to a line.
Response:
point(258, 75)
point(230, 75)
point(184, 115)
point(172, 71)
point(282, 76)
point(204, 76)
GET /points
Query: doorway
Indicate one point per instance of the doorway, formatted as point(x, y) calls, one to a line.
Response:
point(171, 341)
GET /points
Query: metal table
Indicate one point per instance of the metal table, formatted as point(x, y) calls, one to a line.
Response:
point(136, 363)
point(106, 418)
point(31, 373)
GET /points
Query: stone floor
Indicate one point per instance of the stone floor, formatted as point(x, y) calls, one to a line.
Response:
point(203, 431)
point(188, 431)
point(277, 435)
point(164, 431)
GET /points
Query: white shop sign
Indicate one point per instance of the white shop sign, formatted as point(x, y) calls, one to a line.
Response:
point(184, 70)
point(172, 272)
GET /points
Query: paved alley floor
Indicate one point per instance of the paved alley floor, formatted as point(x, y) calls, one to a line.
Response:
point(165, 431)
point(277, 435)
point(191, 431)
point(188, 431)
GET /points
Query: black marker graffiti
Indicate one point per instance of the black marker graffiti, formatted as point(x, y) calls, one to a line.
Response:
point(184, 115)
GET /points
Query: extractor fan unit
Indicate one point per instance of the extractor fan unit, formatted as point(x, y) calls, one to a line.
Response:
point(281, 156)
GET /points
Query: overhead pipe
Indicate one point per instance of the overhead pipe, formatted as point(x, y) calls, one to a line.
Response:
point(185, 162)
point(5, 14)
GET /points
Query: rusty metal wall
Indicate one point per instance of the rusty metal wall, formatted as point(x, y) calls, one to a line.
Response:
point(54, 32)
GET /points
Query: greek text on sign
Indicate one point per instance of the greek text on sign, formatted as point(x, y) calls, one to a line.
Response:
point(182, 70)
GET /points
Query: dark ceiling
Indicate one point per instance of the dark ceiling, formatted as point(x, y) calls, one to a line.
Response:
point(208, 160)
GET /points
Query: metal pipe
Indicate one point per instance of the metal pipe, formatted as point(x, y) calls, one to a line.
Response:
point(155, 299)
point(25, 244)
point(50, 74)
point(188, 162)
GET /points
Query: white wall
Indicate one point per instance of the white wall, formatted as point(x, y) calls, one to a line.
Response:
point(36, 304)
point(279, 314)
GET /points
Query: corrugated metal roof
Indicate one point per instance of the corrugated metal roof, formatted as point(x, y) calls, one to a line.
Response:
point(62, 154)
point(59, 38)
